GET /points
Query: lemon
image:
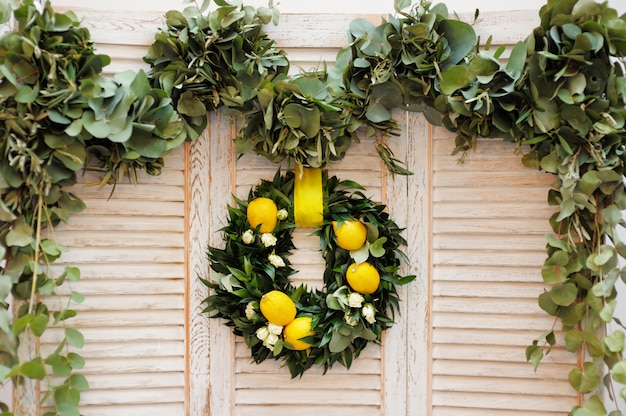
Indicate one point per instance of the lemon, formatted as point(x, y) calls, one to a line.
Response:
point(298, 328)
point(351, 234)
point(277, 308)
point(363, 278)
point(262, 211)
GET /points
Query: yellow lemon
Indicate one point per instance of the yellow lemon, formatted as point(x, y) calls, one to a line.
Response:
point(351, 234)
point(363, 278)
point(298, 328)
point(262, 211)
point(277, 307)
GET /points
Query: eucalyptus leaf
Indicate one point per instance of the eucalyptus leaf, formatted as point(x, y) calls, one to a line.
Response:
point(339, 342)
point(585, 380)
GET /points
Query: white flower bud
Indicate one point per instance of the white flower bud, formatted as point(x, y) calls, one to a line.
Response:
point(350, 320)
point(262, 333)
point(250, 312)
point(276, 260)
point(369, 313)
point(268, 239)
point(282, 214)
point(275, 329)
point(248, 237)
point(355, 300)
point(271, 340)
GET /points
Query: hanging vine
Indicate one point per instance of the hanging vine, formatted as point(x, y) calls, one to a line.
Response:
point(60, 116)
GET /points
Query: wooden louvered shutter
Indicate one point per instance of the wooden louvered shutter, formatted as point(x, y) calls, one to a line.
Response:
point(489, 217)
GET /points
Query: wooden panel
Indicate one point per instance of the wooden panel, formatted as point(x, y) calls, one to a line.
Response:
point(489, 218)
point(130, 248)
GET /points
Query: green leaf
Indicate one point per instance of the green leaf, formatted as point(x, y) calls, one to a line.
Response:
point(307, 119)
point(377, 248)
point(534, 354)
point(461, 41)
point(361, 255)
point(585, 380)
point(191, 106)
point(606, 314)
point(564, 295)
point(39, 324)
point(78, 382)
point(619, 371)
point(33, 369)
point(612, 215)
point(573, 340)
point(615, 342)
point(21, 235)
point(593, 407)
point(74, 337)
point(339, 342)
point(399, 5)
point(455, 78)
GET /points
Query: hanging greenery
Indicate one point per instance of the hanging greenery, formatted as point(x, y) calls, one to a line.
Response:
point(563, 93)
point(59, 115)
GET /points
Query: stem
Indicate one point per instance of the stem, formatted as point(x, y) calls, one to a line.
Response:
point(33, 287)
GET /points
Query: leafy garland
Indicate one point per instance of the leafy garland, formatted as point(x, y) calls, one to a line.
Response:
point(59, 116)
point(224, 58)
point(343, 320)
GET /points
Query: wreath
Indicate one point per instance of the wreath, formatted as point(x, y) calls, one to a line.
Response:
point(302, 327)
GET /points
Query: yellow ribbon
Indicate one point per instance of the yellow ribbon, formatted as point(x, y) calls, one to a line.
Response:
point(308, 198)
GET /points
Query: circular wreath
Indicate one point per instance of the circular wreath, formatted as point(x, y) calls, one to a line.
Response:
point(252, 264)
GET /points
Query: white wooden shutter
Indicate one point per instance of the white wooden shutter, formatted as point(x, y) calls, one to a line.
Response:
point(131, 250)
point(489, 217)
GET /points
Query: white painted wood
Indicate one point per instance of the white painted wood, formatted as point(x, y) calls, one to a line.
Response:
point(486, 257)
point(220, 174)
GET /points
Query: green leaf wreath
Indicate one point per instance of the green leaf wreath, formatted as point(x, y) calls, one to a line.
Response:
point(252, 263)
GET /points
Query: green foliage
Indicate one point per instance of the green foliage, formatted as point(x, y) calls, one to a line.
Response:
point(204, 60)
point(59, 115)
point(242, 274)
point(207, 60)
point(563, 96)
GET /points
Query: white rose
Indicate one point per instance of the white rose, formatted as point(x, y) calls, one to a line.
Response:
point(275, 329)
point(250, 312)
point(262, 333)
point(282, 214)
point(369, 313)
point(350, 320)
point(355, 300)
point(268, 239)
point(248, 237)
point(271, 340)
point(276, 260)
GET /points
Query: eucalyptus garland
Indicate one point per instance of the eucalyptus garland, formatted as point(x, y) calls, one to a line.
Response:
point(253, 263)
point(60, 116)
point(223, 58)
